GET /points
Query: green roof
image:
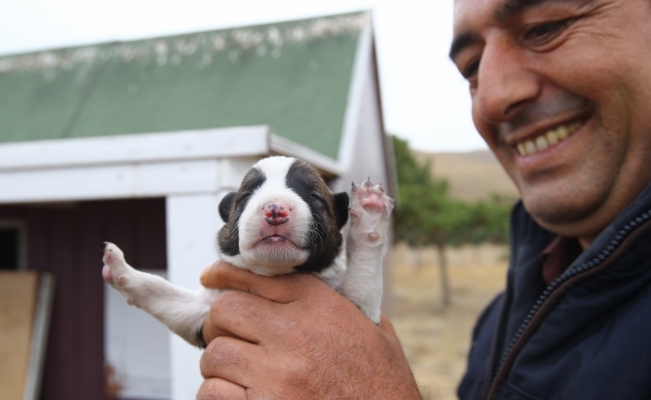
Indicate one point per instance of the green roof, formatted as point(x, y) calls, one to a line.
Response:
point(293, 76)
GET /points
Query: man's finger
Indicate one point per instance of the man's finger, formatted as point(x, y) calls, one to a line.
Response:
point(386, 325)
point(240, 315)
point(211, 276)
point(280, 289)
point(231, 359)
point(220, 389)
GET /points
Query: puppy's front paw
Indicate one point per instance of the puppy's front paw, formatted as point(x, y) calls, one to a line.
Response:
point(116, 272)
point(369, 211)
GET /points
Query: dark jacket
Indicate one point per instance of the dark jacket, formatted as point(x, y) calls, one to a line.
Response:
point(585, 336)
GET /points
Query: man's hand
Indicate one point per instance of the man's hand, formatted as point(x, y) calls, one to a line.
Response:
point(293, 337)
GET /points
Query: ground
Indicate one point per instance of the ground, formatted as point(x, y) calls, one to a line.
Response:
point(476, 175)
point(436, 339)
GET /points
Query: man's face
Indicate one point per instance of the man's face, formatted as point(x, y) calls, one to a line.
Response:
point(561, 92)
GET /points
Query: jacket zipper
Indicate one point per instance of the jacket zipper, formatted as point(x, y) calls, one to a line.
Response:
point(492, 369)
point(614, 244)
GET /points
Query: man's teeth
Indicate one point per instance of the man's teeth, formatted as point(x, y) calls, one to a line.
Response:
point(545, 140)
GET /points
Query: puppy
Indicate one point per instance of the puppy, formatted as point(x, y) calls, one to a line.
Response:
point(283, 219)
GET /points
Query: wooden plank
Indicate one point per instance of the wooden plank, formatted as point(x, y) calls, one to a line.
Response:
point(135, 148)
point(153, 179)
point(18, 294)
point(39, 336)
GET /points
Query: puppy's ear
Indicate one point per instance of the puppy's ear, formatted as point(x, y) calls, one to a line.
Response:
point(341, 208)
point(225, 206)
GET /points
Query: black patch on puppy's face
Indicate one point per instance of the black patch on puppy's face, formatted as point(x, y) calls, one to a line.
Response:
point(225, 206)
point(341, 202)
point(329, 215)
point(230, 209)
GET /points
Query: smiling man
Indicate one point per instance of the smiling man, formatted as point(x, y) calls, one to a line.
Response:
point(561, 92)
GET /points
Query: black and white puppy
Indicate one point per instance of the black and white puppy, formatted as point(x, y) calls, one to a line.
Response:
point(283, 219)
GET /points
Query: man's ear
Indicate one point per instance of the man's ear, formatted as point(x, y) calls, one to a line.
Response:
point(341, 208)
point(225, 206)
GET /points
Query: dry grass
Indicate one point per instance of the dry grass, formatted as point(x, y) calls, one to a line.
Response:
point(472, 176)
point(435, 339)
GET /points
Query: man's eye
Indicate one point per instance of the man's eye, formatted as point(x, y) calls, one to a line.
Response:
point(471, 70)
point(543, 32)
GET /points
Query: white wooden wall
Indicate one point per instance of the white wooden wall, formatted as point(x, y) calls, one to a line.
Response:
point(192, 224)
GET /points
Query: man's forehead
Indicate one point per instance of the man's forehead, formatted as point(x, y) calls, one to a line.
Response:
point(468, 13)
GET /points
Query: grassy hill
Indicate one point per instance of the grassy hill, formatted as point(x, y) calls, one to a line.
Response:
point(473, 175)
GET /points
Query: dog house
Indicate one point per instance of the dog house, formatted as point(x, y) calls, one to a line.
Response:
point(136, 143)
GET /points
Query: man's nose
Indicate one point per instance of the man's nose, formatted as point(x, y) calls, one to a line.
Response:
point(505, 85)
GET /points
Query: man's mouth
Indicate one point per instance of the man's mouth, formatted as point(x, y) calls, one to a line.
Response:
point(548, 139)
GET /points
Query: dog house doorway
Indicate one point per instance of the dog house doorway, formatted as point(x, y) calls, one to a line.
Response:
point(13, 245)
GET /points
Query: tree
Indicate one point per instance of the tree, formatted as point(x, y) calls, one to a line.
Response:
point(428, 216)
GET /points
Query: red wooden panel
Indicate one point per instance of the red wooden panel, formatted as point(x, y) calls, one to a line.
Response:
point(151, 236)
point(68, 240)
point(88, 243)
point(64, 352)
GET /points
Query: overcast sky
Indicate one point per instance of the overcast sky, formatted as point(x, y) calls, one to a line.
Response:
point(425, 99)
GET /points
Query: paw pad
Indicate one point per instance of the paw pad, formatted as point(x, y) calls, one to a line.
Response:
point(106, 273)
point(370, 197)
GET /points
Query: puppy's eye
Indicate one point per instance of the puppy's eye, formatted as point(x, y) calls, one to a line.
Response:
point(242, 198)
point(318, 198)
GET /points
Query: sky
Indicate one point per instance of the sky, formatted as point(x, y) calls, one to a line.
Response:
point(425, 100)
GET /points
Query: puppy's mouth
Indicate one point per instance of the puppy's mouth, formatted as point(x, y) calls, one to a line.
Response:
point(276, 240)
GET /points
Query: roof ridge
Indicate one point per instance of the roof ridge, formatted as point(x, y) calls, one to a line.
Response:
point(274, 35)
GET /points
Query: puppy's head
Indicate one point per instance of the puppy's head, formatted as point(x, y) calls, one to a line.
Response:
point(282, 219)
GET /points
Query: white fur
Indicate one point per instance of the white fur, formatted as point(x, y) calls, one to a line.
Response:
point(181, 310)
point(366, 245)
point(356, 273)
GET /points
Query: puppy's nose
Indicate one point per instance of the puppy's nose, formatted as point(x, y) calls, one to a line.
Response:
point(276, 213)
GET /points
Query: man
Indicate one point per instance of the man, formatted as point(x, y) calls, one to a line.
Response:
point(561, 92)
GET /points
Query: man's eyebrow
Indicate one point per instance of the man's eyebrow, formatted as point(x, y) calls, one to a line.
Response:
point(462, 41)
point(509, 8)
